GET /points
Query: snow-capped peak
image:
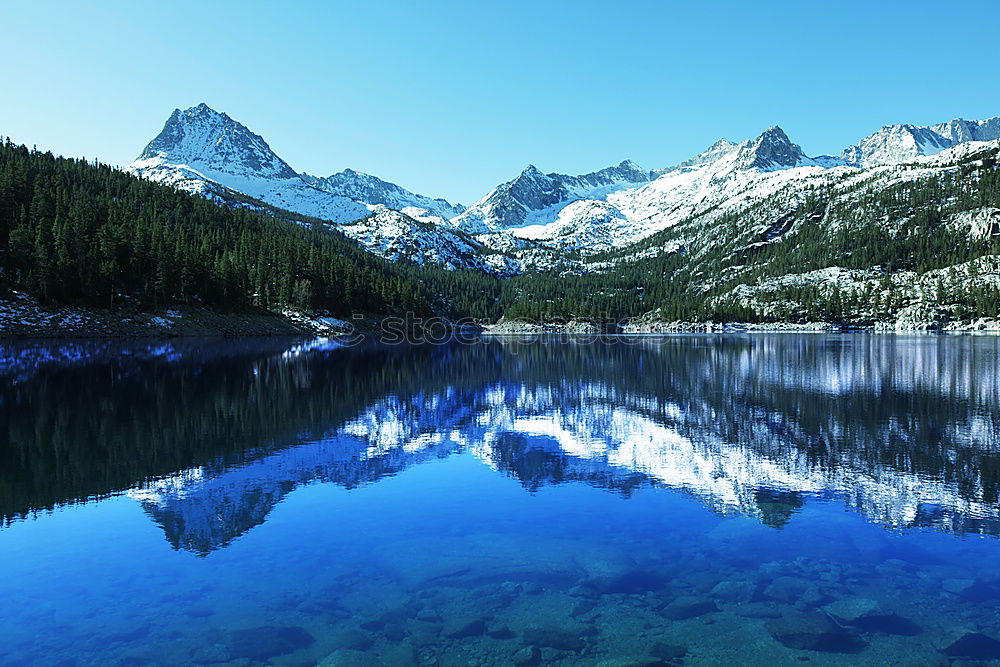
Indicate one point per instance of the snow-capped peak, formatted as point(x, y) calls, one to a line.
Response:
point(719, 149)
point(534, 197)
point(205, 139)
point(205, 151)
point(770, 151)
point(896, 144)
point(367, 188)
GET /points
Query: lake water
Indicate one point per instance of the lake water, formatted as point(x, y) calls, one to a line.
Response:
point(696, 500)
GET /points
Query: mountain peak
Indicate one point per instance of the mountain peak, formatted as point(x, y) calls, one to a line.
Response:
point(208, 140)
point(770, 151)
point(895, 144)
point(717, 150)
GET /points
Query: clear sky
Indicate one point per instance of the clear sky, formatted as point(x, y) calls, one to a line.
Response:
point(450, 98)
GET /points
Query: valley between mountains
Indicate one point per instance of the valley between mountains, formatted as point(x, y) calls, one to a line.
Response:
point(899, 231)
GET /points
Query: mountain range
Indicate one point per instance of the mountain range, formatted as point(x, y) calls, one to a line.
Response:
point(532, 220)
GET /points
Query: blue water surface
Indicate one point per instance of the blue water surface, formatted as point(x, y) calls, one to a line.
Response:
point(696, 500)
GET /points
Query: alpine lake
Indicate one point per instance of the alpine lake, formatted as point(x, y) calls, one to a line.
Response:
point(758, 499)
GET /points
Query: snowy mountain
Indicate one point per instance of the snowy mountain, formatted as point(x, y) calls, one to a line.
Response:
point(371, 189)
point(534, 197)
point(895, 144)
point(395, 235)
point(725, 174)
point(541, 220)
point(206, 152)
point(616, 207)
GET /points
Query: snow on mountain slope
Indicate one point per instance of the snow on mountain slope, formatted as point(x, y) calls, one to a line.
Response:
point(816, 216)
point(206, 152)
point(894, 144)
point(724, 177)
point(200, 147)
point(543, 220)
point(394, 236)
point(769, 169)
point(585, 223)
point(544, 207)
point(534, 197)
point(213, 142)
point(373, 190)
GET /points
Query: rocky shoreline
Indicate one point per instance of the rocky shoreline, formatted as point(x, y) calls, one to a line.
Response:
point(656, 327)
point(24, 317)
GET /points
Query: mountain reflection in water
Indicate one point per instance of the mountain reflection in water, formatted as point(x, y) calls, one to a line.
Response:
point(209, 437)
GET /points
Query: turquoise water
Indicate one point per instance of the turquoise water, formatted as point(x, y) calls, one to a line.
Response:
point(696, 500)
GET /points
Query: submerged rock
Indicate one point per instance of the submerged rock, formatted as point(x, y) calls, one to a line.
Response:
point(760, 610)
point(668, 652)
point(498, 630)
point(562, 638)
point(462, 628)
point(733, 591)
point(688, 607)
point(792, 590)
point(617, 573)
point(199, 612)
point(268, 641)
point(975, 646)
point(849, 610)
point(135, 633)
point(393, 632)
point(208, 655)
point(981, 591)
point(888, 624)
point(957, 586)
point(531, 588)
point(582, 607)
point(428, 615)
point(350, 658)
point(867, 615)
point(352, 639)
point(631, 661)
point(814, 632)
point(527, 656)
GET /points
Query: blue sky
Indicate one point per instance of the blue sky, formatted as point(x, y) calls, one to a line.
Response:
point(450, 98)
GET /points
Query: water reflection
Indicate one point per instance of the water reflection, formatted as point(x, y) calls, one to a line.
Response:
point(208, 438)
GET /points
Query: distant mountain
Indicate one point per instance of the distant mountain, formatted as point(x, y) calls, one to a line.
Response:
point(725, 172)
point(895, 144)
point(725, 210)
point(207, 152)
point(213, 142)
point(395, 235)
point(204, 151)
point(371, 189)
point(534, 197)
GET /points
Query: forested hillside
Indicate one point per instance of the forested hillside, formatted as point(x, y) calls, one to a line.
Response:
point(78, 232)
point(907, 242)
